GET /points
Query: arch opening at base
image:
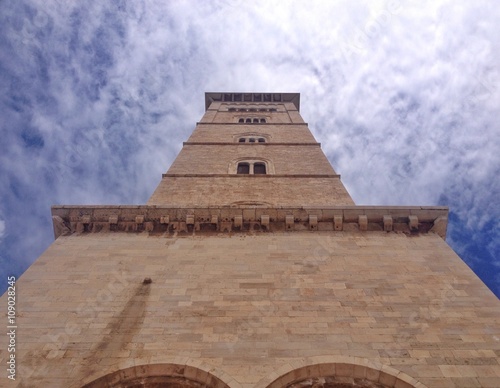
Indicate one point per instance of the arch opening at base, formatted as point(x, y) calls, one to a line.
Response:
point(343, 375)
point(158, 376)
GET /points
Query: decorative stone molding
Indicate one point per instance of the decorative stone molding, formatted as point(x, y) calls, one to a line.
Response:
point(185, 373)
point(251, 97)
point(167, 220)
point(347, 371)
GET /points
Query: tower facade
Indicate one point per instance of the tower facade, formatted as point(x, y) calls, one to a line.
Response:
point(250, 266)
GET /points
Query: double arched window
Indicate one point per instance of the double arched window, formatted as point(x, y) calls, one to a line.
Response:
point(254, 168)
point(251, 166)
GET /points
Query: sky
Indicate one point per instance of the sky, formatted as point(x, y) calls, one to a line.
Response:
point(98, 96)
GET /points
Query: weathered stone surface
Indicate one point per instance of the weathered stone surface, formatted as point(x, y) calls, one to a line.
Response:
point(267, 281)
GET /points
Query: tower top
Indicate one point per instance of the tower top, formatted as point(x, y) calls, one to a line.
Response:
point(251, 97)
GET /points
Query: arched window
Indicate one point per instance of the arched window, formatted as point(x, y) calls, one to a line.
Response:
point(259, 168)
point(251, 138)
point(243, 168)
point(251, 166)
point(254, 120)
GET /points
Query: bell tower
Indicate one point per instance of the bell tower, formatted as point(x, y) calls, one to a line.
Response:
point(250, 266)
point(251, 149)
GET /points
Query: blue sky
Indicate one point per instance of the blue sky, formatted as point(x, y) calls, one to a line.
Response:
point(97, 98)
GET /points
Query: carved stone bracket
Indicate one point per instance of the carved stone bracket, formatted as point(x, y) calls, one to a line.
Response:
point(163, 219)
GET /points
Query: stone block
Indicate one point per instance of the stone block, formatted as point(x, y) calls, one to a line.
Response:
point(363, 222)
point(248, 215)
point(387, 219)
point(238, 221)
point(413, 223)
point(313, 222)
point(338, 222)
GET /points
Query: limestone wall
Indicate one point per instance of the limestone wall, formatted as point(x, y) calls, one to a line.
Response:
point(276, 133)
point(247, 307)
point(270, 190)
point(284, 159)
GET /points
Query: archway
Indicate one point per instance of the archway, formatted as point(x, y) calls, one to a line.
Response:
point(341, 372)
point(158, 376)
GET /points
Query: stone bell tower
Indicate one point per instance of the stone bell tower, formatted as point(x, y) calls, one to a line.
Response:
point(250, 266)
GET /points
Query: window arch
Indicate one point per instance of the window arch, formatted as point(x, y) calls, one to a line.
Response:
point(251, 166)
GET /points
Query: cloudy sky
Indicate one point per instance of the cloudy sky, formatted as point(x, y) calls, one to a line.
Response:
point(97, 97)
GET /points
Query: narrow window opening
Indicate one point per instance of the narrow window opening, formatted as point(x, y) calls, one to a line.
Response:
point(262, 140)
point(241, 120)
point(259, 168)
point(248, 120)
point(251, 140)
point(241, 140)
point(255, 120)
point(243, 168)
point(262, 120)
point(232, 109)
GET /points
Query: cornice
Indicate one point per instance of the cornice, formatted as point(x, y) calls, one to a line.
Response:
point(165, 220)
point(251, 176)
point(255, 97)
point(249, 144)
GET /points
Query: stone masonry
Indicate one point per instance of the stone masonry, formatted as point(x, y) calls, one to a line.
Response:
point(227, 279)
